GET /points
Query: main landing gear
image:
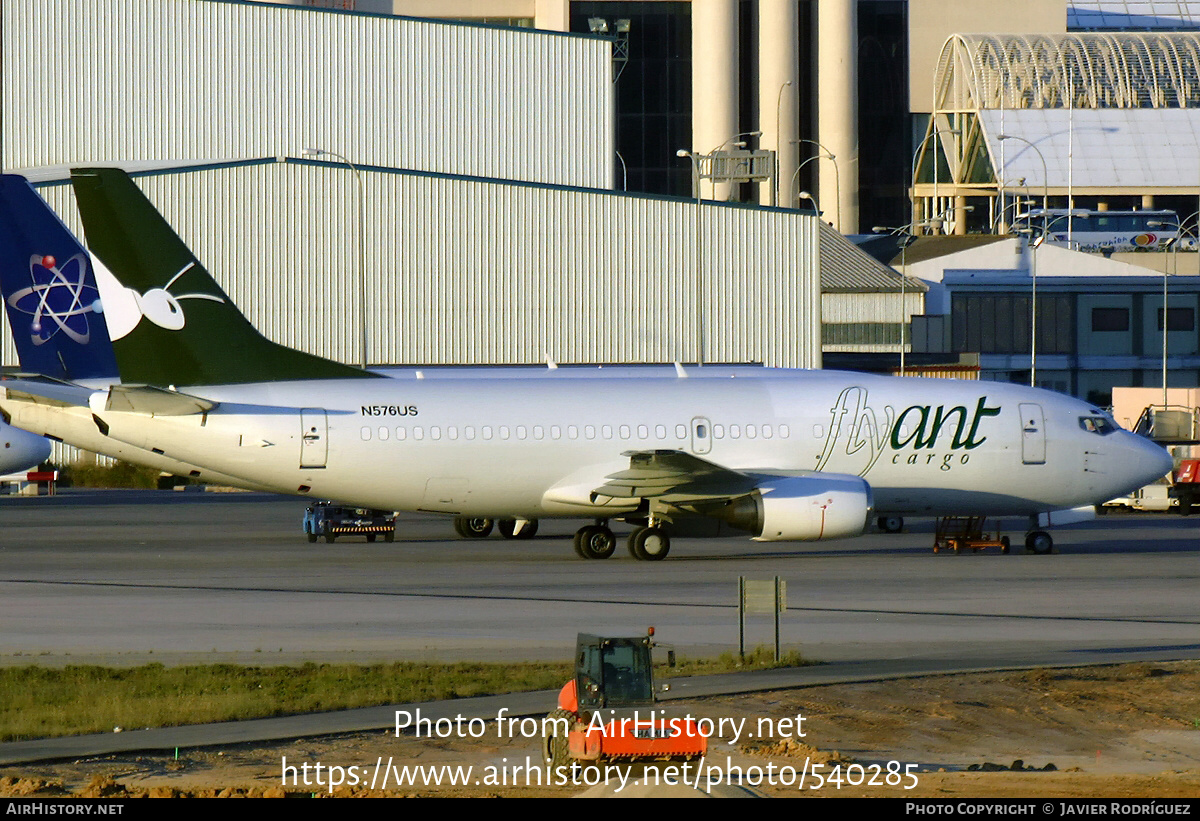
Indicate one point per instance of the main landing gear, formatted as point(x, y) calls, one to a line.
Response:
point(473, 527)
point(891, 524)
point(648, 543)
point(1039, 542)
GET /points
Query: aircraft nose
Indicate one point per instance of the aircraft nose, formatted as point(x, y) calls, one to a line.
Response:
point(21, 450)
point(1150, 460)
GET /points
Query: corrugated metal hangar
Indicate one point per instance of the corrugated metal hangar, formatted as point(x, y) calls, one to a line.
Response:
point(483, 157)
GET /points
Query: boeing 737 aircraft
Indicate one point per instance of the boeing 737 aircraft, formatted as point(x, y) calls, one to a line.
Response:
point(780, 454)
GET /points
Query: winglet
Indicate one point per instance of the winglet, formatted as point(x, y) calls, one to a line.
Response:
point(177, 327)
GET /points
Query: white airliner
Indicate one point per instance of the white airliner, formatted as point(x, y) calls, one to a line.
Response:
point(780, 454)
point(20, 450)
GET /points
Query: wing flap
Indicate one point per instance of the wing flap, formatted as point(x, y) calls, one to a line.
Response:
point(673, 476)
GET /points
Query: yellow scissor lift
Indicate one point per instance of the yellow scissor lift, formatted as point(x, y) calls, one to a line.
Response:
point(959, 533)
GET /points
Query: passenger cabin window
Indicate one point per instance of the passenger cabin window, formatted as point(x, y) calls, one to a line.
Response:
point(660, 431)
point(625, 431)
point(418, 432)
point(401, 433)
point(366, 434)
point(643, 432)
point(452, 432)
point(681, 431)
point(718, 431)
point(606, 431)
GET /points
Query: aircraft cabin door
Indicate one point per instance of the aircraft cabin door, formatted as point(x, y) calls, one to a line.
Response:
point(314, 438)
point(1033, 434)
point(701, 435)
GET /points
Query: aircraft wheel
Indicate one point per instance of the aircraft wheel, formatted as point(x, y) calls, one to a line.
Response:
point(1039, 542)
point(595, 542)
point(470, 527)
point(650, 544)
point(508, 528)
point(891, 524)
point(1005, 544)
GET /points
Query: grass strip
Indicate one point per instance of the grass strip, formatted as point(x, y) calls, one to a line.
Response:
point(43, 702)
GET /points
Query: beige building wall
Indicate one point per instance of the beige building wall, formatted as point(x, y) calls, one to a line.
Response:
point(930, 22)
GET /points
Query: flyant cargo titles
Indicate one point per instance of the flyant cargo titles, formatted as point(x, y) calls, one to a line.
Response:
point(389, 410)
point(867, 432)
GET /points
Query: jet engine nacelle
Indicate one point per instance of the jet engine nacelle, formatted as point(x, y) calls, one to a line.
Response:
point(21, 450)
point(804, 508)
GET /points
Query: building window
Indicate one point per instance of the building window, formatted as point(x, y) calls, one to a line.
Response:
point(1178, 319)
point(1110, 319)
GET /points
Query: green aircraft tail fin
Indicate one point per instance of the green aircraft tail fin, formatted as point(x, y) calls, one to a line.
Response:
point(171, 324)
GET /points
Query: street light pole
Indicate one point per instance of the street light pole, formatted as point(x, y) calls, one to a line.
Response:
point(699, 258)
point(837, 175)
point(1033, 255)
point(362, 252)
point(913, 216)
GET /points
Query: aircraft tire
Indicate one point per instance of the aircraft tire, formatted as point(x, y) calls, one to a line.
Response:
point(595, 542)
point(472, 527)
point(508, 527)
point(891, 524)
point(1005, 544)
point(1039, 542)
point(650, 544)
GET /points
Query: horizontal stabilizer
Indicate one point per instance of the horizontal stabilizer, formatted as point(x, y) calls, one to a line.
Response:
point(46, 391)
point(151, 400)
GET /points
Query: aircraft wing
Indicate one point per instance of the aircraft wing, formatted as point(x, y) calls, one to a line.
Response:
point(673, 476)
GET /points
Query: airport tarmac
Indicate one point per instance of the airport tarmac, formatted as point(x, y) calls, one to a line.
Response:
point(126, 577)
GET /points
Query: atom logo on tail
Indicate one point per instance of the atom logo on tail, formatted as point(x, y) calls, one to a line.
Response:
point(59, 300)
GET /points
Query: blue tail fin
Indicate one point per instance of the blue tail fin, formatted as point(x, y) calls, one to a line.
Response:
point(49, 290)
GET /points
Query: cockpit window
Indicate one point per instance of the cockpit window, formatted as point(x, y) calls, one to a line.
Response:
point(1101, 425)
